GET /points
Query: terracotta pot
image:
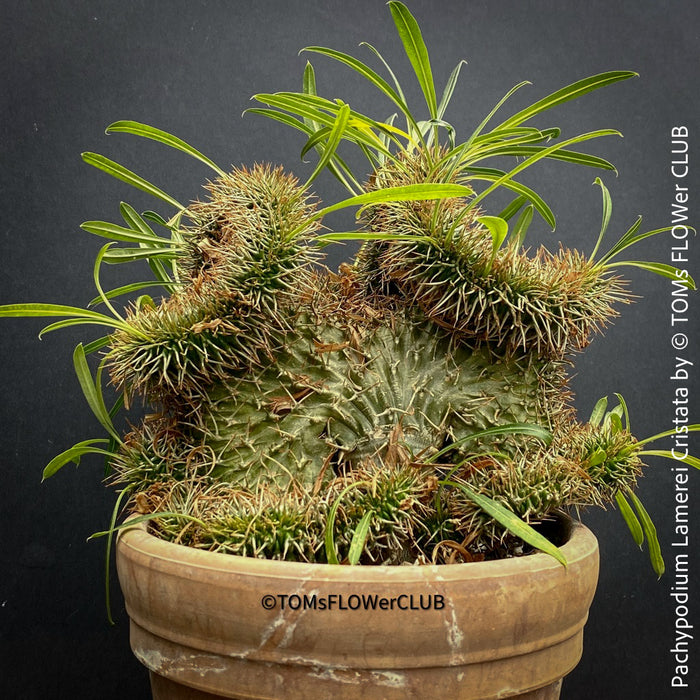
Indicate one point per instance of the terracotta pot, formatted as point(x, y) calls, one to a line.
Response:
point(218, 626)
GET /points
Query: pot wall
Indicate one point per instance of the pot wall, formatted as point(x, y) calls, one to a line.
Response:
point(249, 628)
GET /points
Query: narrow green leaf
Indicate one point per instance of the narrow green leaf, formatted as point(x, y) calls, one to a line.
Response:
point(359, 538)
point(659, 269)
point(76, 316)
point(150, 132)
point(630, 239)
point(338, 167)
point(510, 521)
point(334, 138)
point(607, 213)
point(74, 454)
point(137, 520)
point(669, 454)
point(92, 393)
point(69, 323)
point(493, 175)
point(625, 412)
point(598, 411)
point(97, 344)
point(406, 193)
point(119, 233)
point(329, 537)
point(368, 236)
point(529, 429)
point(134, 287)
point(695, 427)
point(657, 561)
point(522, 225)
point(630, 518)
point(417, 53)
point(116, 256)
point(564, 155)
point(513, 208)
point(544, 153)
point(366, 72)
point(121, 173)
point(360, 128)
point(397, 85)
point(96, 278)
point(489, 116)
point(449, 90)
point(108, 550)
point(569, 92)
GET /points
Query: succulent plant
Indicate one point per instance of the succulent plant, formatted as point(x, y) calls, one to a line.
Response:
point(412, 406)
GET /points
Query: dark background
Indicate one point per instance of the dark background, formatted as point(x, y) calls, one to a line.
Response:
point(71, 68)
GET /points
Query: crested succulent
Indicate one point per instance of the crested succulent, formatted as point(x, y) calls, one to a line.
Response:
point(412, 406)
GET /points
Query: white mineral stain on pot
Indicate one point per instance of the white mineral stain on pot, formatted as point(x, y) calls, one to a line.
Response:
point(202, 664)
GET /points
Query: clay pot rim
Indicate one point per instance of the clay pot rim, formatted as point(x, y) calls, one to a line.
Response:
point(581, 544)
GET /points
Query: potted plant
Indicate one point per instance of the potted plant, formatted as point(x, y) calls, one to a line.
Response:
point(407, 415)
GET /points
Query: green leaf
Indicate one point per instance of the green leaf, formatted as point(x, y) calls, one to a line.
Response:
point(657, 561)
point(116, 256)
point(97, 344)
point(658, 269)
point(77, 316)
point(565, 155)
point(449, 90)
point(137, 520)
point(74, 454)
point(625, 412)
point(509, 429)
point(615, 422)
point(493, 175)
point(359, 538)
point(134, 287)
point(510, 521)
point(96, 278)
point(630, 518)
point(406, 193)
point(522, 225)
point(397, 85)
point(498, 228)
point(324, 112)
point(669, 454)
point(489, 116)
point(334, 138)
point(570, 92)
point(695, 427)
point(108, 549)
point(513, 208)
point(415, 48)
point(598, 411)
point(121, 173)
point(366, 72)
point(150, 132)
point(607, 212)
point(598, 457)
point(119, 233)
point(329, 537)
point(544, 153)
point(368, 236)
point(91, 391)
point(629, 239)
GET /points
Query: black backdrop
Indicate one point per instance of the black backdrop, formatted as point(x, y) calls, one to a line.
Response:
point(71, 68)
